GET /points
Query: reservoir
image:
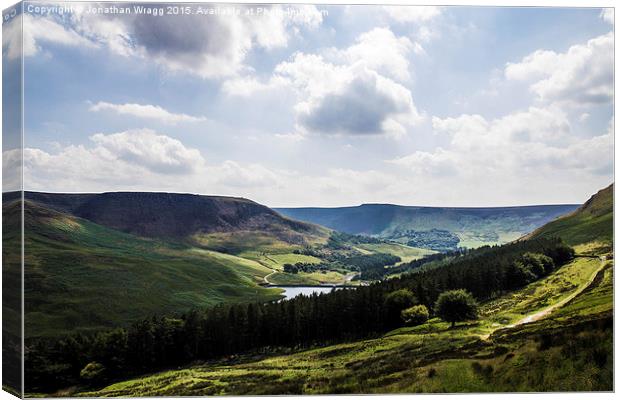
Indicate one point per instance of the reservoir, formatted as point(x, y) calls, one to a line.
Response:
point(294, 291)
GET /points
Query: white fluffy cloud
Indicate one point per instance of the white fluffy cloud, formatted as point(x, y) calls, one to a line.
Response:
point(148, 149)
point(380, 50)
point(146, 111)
point(581, 76)
point(535, 145)
point(139, 160)
point(349, 91)
point(129, 157)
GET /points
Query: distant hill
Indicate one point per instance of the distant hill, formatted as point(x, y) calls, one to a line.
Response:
point(473, 227)
point(174, 216)
point(592, 222)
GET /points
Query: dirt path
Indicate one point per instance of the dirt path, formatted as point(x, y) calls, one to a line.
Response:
point(273, 271)
point(544, 312)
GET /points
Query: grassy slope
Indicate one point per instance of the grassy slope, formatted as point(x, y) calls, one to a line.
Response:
point(80, 275)
point(511, 359)
point(592, 222)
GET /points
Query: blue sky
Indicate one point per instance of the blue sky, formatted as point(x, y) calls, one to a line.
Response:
point(331, 106)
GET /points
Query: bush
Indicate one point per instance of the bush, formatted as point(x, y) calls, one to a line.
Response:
point(415, 315)
point(93, 373)
point(456, 306)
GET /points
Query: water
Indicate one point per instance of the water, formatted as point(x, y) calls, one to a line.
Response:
point(294, 291)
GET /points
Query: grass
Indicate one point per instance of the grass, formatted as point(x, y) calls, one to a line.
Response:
point(569, 350)
point(540, 294)
point(243, 241)
point(81, 276)
point(592, 222)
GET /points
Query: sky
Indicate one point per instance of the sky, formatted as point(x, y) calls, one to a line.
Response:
point(319, 105)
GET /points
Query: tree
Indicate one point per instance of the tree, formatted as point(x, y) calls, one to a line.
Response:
point(290, 268)
point(415, 315)
point(456, 306)
point(397, 301)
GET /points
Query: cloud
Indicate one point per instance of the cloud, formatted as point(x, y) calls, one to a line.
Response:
point(368, 104)
point(379, 50)
point(607, 14)
point(412, 14)
point(124, 157)
point(139, 160)
point(519, 146)
point(146, 111)
point(581, 76)
point(349, 91)
point(210, 46)
point(148, 149)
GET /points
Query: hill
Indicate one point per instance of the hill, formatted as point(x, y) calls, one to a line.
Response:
point(102, 261)
point(81, 276)
point(592, 222)
point(176, 216)
point(437, 228)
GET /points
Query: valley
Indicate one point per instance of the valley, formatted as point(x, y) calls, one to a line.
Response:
point(203, 305)
point(81, 253)
point(435, 228)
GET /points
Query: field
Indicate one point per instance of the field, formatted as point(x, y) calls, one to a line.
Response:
point(496, 353)
point(406, 253)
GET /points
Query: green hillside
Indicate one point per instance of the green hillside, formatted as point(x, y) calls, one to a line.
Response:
point(83, 276)
point(592, 222)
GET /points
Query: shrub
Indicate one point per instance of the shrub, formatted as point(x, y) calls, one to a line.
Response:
point(415, 315)
point(93, 373)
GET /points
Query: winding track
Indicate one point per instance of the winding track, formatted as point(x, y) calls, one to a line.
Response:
point(544, 312)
